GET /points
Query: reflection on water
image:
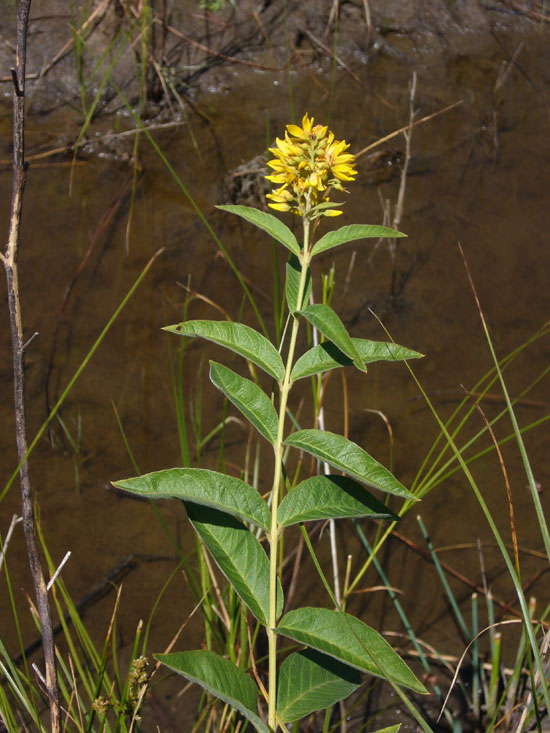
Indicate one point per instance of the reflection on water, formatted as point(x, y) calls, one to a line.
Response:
point(478, 176)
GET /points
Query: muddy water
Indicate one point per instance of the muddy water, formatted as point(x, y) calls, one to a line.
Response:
point(478, 176)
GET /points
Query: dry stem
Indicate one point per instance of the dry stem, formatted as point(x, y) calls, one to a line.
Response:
point(9, 259)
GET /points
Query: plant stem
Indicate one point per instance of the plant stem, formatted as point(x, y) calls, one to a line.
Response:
point(9, 260)
point(278, 448)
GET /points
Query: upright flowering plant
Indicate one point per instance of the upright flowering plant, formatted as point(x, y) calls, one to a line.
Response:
point(334, 647)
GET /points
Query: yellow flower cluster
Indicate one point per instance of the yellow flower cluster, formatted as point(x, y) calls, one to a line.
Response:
point(308, 163)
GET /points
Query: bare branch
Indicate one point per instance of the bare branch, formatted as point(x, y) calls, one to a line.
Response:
point(9, 261)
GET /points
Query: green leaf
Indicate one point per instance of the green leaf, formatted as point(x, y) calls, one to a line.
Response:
point(326, 205)
point(310, 681)
point(348, 639)
point(269, 223)
point(239, 338)
point(210, 488)
point(330, 497)
point(293, 272)
point(239, 555)
point(329, 324)
point(328, 356)
point(220, 678)
point(350, 233)
point(348, 457)
point(389, 729)
point(319, 210)
point(252, 401)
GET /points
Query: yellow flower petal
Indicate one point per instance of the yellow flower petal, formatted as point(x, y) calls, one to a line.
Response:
point(307, 123)
point(338, 147)
point(278, 178)
point(296, 131)
point(344, 158)
point(280, 207)
point(320, 131)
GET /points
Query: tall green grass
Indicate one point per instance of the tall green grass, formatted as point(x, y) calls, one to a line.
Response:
point(514, 698)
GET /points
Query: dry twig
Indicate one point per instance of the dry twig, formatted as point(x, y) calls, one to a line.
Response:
point(9, 260)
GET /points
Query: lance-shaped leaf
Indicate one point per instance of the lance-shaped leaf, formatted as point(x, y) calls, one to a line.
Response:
point(220, 678)
point(350, 233)
point(329, 324)
point(293, 273)
point(310, 681)
point(330, 497)
point(268, 223)
point(348, 639)
point(239, 555)
point(349, 457)
point(239, 338)
point(252, 401)
point(327, 356)
point(201, 486)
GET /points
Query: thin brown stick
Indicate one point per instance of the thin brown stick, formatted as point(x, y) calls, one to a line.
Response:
point(9, 259)
point(400, 204)
point(368, 21)
point(403, 184)
point(335, 9)
point(395, 133)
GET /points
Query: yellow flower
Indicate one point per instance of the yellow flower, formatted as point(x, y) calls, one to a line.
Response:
point(281, 198)
point(308, 162)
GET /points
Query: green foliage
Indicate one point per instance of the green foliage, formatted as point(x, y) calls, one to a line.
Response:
point(351, 233)
point(268, 223)
point(329, 324)
point(95, 688)
point(310, 681)
point(347, 456)
point(349, 640)
point(239, 555)
point(254, 404)
point(327, 356)
point(293, 274)
point(240, 339)
point(219, 677)
point(330, 497)
point(201, 486)
point(338, 645)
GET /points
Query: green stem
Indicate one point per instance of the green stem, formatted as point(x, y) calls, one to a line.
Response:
point(274, 533)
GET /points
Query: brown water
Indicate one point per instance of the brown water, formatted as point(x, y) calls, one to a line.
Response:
point(479, 175)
